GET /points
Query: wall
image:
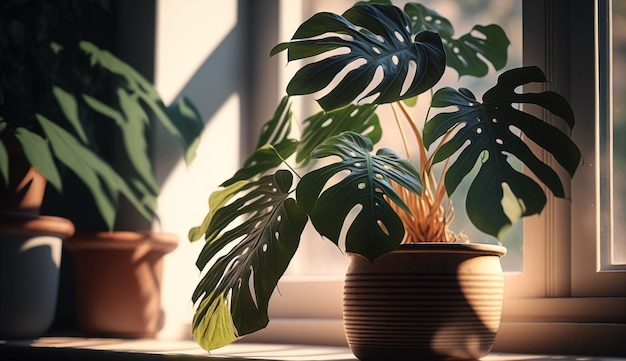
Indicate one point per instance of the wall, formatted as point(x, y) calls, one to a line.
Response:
point(197, 55)
point(204, 51)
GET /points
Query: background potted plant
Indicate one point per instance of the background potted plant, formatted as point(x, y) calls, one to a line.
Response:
point(379, 206)
point(59, 94)
point(118, 269)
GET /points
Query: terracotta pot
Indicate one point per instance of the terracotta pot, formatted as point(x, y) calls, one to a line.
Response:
point(26, 187)
point(30, 256)
point(117, 282)
point(433, 301)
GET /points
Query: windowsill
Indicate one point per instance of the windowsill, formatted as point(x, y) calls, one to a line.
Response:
point(70, 348)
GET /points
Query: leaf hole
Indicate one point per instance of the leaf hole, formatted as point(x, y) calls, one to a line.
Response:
point(382, 227)
point(398, 36)
point(410, 77)
point(478, 35)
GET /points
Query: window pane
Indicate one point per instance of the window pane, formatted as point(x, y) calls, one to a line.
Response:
point(619, 133)
point(463, 14)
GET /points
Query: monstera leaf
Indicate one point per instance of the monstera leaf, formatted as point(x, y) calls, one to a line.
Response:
point(491, 132)
point(376, 228)
point(377, 38)
point(273, 147)
point(464, 54)
point(323, 125)
point(234, 293)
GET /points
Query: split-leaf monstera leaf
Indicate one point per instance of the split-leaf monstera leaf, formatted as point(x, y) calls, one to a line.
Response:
point(491, 133)
point(376, 228)
point(380, 40)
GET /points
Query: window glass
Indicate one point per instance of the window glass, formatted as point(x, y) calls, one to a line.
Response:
point(463, 15)
point(618, 254)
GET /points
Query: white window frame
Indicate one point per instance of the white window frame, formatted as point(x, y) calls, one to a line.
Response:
point(563, 302)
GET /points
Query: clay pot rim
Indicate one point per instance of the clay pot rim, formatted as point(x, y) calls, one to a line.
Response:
point(443, 247)
point(122, 240)
point(33, 225)
point(454, 247)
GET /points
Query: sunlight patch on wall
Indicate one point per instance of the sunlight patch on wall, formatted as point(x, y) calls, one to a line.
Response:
point(188, 31)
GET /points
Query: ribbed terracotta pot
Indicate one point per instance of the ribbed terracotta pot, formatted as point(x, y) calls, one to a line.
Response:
point(430, 301)
point(30, 257)
point(117, 282)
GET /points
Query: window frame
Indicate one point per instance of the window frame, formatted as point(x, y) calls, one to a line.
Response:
point(590, 277)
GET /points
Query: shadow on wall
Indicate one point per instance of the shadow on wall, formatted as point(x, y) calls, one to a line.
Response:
point(209, 88)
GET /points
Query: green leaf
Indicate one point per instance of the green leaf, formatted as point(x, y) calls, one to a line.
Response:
point(181, 119)
point(278, 128)
point(103, 182)
point(69, 106)
point(515, 194)
point(259, 249)
point(423, 18)
point(409, 64)
point(273, 146)
point(37, 151)
point(217, 200)
point(376, 228)
point(4, 162)
point(492, 131)
point(185, 120)
point(132, 121)
point(262, 160)
point(213, 324)
point(323, 125)
point(382, 2)
point(466, 54)
point(135, 133)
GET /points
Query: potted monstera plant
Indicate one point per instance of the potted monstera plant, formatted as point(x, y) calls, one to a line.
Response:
point(58, 96)
point(414, 287)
